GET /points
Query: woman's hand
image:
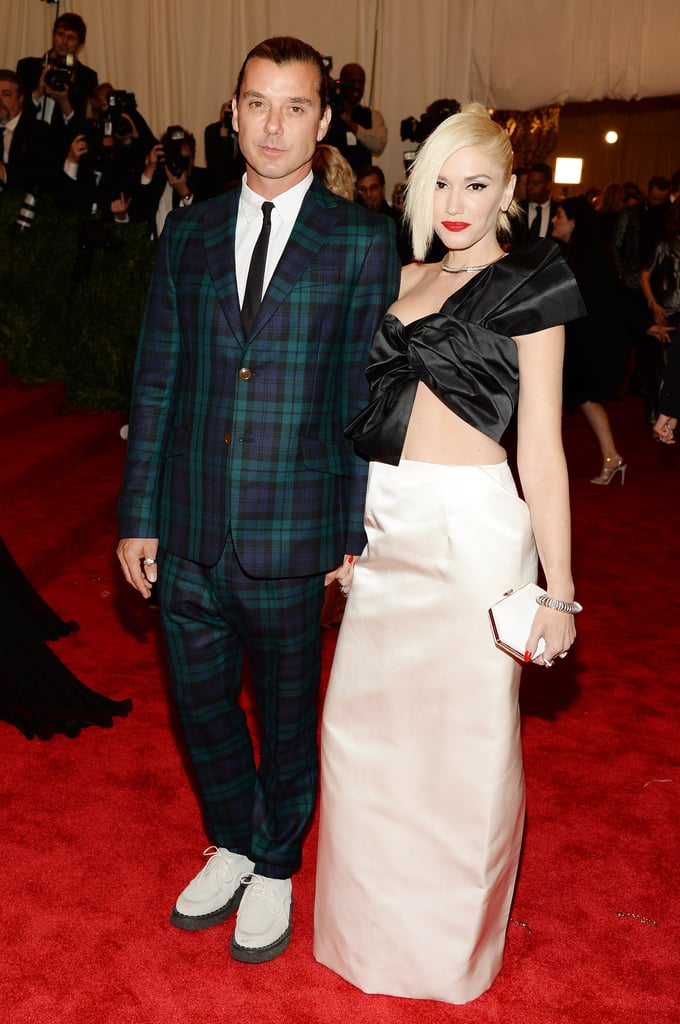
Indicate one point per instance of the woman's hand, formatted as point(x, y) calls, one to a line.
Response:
point(559, 632)
point(343, 574)
point(664, 429)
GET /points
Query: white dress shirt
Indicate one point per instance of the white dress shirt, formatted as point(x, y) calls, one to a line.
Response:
point(249, 224)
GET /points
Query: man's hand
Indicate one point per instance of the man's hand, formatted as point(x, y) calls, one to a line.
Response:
point(120, 207)
point(137, 557)
point(154, 156)
point(77, 149)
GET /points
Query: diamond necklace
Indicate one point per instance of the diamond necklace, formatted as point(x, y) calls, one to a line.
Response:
point(470, 270)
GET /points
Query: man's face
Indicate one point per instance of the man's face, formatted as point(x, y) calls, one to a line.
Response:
point(352, 83)
point(65, 41)
point(10, 102)
point(279, 122)
point(537, 187)
point(657, 196)
point(371, 191)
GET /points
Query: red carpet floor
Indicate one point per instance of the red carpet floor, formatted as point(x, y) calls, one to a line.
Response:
point(100, 833)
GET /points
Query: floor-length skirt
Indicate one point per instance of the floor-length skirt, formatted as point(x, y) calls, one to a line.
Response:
point(422, 791)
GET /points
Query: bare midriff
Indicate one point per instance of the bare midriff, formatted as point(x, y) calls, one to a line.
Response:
point(437, 435)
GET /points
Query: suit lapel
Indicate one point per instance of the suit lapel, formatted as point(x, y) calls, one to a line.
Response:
point(315, 222)
point(219, 235)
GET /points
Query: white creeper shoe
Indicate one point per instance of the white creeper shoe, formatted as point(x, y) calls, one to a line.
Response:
point(215, 893)
point(263, 920)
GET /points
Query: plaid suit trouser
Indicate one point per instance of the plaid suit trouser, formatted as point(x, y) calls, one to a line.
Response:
point(210, 617)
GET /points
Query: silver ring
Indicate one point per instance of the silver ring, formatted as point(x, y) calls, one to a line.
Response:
point(149, 561)
point(548, 663)
point(563, 654)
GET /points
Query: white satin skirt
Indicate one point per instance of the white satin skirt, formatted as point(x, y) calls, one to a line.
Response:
point(422, 786)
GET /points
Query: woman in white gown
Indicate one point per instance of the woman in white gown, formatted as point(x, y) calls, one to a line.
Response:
point(422, 791)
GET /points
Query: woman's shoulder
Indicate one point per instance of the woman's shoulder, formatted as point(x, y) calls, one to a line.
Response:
point(412, 275)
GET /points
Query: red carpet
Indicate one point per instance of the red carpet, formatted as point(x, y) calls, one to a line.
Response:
point(100, 833)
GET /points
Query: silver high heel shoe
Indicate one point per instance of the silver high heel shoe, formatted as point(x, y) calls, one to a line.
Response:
point(610, 467)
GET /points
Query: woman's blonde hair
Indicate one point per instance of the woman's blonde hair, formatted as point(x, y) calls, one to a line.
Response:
point(330, 166)
point(472, 126)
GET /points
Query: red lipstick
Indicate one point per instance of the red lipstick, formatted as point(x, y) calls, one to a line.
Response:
point(455, 225)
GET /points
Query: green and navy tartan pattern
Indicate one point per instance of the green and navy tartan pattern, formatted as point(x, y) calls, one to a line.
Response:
point(210, 615)
point(288, 485)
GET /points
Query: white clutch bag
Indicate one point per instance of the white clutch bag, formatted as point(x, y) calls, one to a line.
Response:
point(511, 620)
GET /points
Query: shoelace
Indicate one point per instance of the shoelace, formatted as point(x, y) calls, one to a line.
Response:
point(214, 851)
point(257, 884)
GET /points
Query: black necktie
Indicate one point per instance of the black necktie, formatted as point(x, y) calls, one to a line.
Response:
point(535, 226)
point(253, 294)
point(2, 143)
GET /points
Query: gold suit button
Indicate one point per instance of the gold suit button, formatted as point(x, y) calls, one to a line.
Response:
point(227, 438)
point(245, 373)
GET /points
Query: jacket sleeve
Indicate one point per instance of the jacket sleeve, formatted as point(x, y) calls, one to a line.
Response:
point(376, 288)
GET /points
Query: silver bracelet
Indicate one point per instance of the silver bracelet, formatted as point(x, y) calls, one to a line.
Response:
point(572, 607)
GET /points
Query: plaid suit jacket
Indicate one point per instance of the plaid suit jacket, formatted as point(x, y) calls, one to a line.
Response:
point(240, 432)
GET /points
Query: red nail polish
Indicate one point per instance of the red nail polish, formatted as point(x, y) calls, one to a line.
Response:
point(350, 558)
point(528, 655)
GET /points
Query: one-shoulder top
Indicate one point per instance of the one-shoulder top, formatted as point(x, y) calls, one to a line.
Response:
point(465, 353)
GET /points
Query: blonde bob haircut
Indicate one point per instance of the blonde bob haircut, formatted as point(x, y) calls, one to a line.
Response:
point(471, 126)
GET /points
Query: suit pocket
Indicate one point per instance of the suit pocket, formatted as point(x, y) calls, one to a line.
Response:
point(326, 457)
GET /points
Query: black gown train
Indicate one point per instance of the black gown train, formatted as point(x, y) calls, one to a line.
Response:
point(38, 693)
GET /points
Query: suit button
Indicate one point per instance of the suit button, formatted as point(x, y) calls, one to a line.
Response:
point(245, 373)
point(227, 438)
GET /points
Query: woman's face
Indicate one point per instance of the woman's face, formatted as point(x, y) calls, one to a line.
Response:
point(562, 227)
point(470, 191)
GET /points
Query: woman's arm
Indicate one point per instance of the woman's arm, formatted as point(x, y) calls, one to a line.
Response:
point(543, 474)
point(658, 312)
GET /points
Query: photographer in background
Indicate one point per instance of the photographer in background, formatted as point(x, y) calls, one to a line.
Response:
point(169, 180)
point(359, 132)
point(223, 158)
point(106, 156)
point(58, 84)
point(104, 161)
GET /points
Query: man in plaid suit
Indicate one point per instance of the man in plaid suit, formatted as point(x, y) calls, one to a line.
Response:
point(241, 492)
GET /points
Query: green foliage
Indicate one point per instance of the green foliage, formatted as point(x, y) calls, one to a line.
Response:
point(83, 333)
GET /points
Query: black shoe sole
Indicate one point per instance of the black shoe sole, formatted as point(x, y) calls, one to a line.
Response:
point(261, 954)
point(191, 923)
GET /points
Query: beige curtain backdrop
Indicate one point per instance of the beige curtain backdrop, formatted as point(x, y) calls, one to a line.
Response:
point(181, 58)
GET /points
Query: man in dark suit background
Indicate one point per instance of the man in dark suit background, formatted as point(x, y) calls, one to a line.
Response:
point(170, 179)
point(27, 157)
point(57, 85)
point(539, 207)
point(241, 492)
point(359, 132)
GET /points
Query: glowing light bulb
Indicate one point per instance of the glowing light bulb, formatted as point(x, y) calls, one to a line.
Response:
point(611, 137)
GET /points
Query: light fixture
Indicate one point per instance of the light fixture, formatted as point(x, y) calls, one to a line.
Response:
point(568, 172)
point(611, 137)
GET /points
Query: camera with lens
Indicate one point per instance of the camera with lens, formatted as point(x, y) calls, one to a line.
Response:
point(174, 158)
point(120, 103)
point(59, 72)
point(336, 100)
point(438, 111)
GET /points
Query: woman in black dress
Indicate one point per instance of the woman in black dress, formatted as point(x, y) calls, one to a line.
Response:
point(38, 694)
point(597, 346)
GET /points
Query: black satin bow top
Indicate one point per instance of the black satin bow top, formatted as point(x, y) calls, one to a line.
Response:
point(465, 353)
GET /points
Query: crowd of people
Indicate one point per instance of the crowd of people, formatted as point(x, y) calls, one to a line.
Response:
point(265, 461)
